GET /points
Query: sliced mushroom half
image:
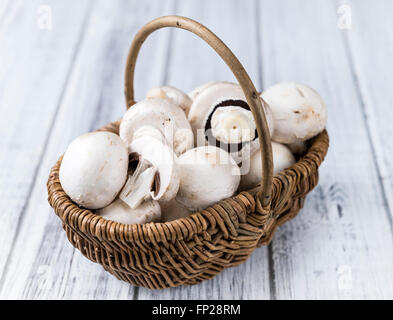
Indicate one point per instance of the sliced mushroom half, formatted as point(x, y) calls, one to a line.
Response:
point(154, 175)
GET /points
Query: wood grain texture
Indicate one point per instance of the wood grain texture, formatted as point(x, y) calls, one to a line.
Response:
point(187, 70)
point(43, 264)
point(56, 84)
point(32, 78)
point(340, 245)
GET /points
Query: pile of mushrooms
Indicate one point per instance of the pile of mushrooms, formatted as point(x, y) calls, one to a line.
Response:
point(178, 153)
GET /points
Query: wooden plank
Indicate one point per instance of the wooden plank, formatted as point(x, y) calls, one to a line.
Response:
point(3, 8)
point(43, 264)
point(34, 69)
point(235, 23)
point(340, 245)
point(370, 46)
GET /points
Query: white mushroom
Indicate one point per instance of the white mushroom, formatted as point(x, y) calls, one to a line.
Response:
point(207, 174)
point(163, 115)
point(282, 159)
point(119, 211)
point(221, 108)
point(175, 95)
point(139, 185)
point(299, 112)
point(156, 174)
point(194, 93)
point(94, 169)
point(172, 210)
point(149, 131)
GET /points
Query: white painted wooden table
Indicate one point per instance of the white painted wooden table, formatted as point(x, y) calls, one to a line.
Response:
point(61, 74)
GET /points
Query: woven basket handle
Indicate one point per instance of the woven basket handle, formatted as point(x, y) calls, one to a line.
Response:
point(233, 63)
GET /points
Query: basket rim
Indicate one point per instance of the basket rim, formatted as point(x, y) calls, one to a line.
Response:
point(88, 223)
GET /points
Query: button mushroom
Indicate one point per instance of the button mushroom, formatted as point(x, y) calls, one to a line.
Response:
point(156, 174)
point(207, 174)
point(282, 159)
point(220, 116)
point(299, 112)
point(94, 169)
point(194, 93)
point(163, 115)
point(175, 95)
point(119, 211)
point(172, 210)
point(149, 131)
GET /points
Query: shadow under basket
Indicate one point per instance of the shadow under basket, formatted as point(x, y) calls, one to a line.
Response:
point(189, 250)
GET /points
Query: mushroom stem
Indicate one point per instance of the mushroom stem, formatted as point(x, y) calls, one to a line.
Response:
point(220, 116)
point(156, 174)
point(233, 124)
point(139, 185)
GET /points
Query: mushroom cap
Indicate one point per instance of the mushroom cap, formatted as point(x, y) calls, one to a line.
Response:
point(299, 112)
point(172, 210)
point(164, 161)
point(119, 211)
point(175, 95)
point(208, 101)
point(149, 131)
point(94, 169)
point(282, 159)
point(163, 115)
point(207, 175)
point(194, 93)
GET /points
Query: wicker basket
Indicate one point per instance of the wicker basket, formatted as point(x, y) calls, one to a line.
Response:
point(195, 248)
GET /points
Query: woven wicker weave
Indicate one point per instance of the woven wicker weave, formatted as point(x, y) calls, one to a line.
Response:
point(195, 248)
